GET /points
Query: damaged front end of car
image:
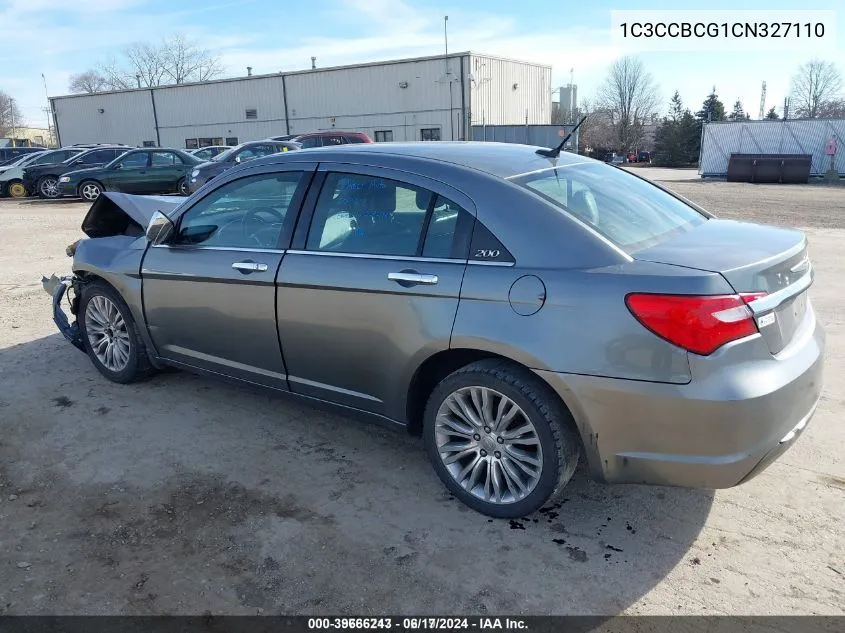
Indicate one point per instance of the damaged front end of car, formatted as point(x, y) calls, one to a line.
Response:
point(115, 227)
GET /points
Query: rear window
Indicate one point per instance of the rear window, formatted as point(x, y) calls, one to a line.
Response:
point(628, 211)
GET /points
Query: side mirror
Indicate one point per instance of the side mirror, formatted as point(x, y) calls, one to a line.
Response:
point(118, 166)
point(237, 159)
point(160, 229)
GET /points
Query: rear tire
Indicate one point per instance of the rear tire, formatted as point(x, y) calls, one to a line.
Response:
point(90, 190)
point(16, 189)
point(48, 187)
point(111, 336)
point(509, 471)
point(182, 187)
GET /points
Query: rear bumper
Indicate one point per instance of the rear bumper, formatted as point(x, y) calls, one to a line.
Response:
point(741, 411)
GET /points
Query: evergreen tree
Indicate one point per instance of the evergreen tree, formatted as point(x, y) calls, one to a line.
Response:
point(712, 109)
point(771, 114)
point(738, 113)
point(678, 137)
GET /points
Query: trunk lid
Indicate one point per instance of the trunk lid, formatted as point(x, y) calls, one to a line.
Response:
point(752, 258)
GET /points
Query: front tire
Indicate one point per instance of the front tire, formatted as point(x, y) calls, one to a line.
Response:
point(110, 335)
point(499, 439)
point(182, 187)
point(48, 187)
point(90, 190)
point(16, 189)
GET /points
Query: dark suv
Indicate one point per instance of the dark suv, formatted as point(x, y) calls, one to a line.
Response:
point(43, 180)
point(321, 139)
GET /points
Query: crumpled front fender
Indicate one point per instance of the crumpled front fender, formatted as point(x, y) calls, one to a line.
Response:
point(58, 287)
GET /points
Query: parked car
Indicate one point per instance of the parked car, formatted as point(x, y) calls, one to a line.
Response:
point(140, 171)
point(207, 153)
point(242, 153)
point(20, 160)
point(44, 179)
point(517, 310)
point(631, 157)
point(616, 159)
point(11, 180)
point(644, 157)
point(322, 139)
point(11, 154)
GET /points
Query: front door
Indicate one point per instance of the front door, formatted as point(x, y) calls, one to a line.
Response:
point(210, 295)
point(129, 174)
point(373, 287)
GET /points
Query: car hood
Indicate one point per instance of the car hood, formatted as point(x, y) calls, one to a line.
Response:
point(115, 213)
point(212, 167)
point(9, 174)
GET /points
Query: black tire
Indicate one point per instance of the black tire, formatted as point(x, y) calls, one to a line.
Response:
point(182, 187)
point(86, 189)
point(555, 428)
point(138, 366)
point(44, 190)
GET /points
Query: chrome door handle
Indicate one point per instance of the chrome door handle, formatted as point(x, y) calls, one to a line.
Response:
point(249, 267)
point(411, 279)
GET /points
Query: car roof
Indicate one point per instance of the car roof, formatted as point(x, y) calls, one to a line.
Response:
point(504, 160)
point(327, 133)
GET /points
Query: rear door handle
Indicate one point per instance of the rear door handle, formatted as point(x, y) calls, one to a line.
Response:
point(409, 278)
point(249, 267)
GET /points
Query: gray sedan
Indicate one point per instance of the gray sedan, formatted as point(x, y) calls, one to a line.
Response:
point(517, 308)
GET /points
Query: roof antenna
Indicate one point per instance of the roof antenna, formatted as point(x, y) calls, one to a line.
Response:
point(554, 153)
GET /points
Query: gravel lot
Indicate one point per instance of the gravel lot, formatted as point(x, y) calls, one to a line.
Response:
point(185, 495)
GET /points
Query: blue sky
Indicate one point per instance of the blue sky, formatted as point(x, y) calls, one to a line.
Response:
point(60, 37)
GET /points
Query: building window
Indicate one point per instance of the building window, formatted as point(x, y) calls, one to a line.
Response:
point(251, 114)
point(430, 134)
point(384, 136)
point(231, 141)
point(191, 143)
point(149, 143)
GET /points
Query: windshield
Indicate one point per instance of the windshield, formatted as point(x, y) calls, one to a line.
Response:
point(630, 212)
point(26, 159)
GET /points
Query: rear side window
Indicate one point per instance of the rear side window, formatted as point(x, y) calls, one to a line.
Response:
point(628, 211)
point(378, 216)
point(314, 141)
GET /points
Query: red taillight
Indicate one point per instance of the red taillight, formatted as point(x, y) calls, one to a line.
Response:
point(699, 324)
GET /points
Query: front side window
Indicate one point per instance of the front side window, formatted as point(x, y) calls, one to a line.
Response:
point(246, 213)
point(134, 160)
point(378, 216)
point(630, 212)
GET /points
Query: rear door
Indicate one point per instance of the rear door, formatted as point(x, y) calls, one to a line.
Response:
point(210, 297)
point(166, 169)
point(371, 286)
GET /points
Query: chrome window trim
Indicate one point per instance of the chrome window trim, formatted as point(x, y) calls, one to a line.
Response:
point(772, 301)
point(220, 248)
point(399, 258)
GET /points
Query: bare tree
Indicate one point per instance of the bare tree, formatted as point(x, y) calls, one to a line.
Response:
point(814, 85)
point(630, 95)
point(147, 61)
point(115, 77)
point(597, 134)
point(182, 61)
point(88, 81)
point(10, 115)
point(833, 109)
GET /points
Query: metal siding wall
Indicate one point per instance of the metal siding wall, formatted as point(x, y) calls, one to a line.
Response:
point(720, 140)
point(495, 102)
point(369, 98)
point(127, 118)
point(219, 110)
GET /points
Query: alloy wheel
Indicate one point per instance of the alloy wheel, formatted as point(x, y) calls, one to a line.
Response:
point(90, 191)
point(107, 333)
point(488, 445)
point(49, 188)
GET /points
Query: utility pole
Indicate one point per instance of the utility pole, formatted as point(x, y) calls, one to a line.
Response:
point(47, 110)
point(12, 113)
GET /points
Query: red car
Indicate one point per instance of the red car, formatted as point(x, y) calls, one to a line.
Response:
point(320, 139)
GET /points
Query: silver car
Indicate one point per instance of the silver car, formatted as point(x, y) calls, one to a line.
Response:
point(517, 308)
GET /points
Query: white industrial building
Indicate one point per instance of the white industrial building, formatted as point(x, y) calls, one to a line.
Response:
point(426, 98)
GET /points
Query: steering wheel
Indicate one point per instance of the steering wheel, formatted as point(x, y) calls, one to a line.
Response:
point(259, 214)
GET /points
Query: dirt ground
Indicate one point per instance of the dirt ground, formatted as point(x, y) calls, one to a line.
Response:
point(183, 495)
